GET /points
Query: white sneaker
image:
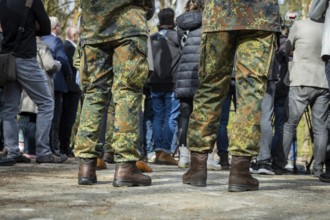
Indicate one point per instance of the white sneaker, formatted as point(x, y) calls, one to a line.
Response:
point(151, 157)
point(212, 164)
point(184, 158)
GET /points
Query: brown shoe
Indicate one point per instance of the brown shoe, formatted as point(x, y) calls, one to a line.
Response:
point(197, 173)
point(127, 174)
point(87, 171)
point(143, 166)
point(165, 158)
point(100, 164)
point(240, 178)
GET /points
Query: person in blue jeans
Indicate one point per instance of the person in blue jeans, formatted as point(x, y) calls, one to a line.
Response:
point(222, 138)
point(148, 117)
point(166, 53)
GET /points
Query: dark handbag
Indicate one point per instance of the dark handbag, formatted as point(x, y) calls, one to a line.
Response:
point(8, 60)
point(7, 68)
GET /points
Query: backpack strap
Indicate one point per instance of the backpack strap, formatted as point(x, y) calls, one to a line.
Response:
point(21, 28)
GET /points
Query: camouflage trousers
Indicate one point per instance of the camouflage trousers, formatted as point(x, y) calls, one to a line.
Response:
point(251, 55)
point(113, 70)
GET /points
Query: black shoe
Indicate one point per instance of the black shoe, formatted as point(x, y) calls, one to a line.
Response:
point(52, 158)
point(317, 172)
point(21, 159)
point(278, 170)
point(7, 161)
point(254, 167)
point(265, 169)
point(325, 177)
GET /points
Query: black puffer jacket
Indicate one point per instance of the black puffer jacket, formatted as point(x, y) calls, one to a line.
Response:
point(187, 75)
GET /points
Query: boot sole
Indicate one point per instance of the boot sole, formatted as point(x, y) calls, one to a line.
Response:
point(119, 183)
point(214, 169)
point(86, 181)
point(198, 183)
point(241, 188)
point(165, 163)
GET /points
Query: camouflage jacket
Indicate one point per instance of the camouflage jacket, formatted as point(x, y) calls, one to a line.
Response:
point(108, 20)
point(223, 15)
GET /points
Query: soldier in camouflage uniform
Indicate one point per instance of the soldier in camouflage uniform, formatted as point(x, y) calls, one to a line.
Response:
point(244, 29)
point(113, 65)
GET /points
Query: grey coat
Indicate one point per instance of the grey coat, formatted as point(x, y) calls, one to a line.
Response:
point(307, 67)
point(50, 66)
point(320, 12)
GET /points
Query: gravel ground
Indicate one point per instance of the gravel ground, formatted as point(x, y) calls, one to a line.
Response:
point(50, 191)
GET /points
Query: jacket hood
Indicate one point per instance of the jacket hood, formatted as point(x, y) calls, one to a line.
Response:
point(189, 20)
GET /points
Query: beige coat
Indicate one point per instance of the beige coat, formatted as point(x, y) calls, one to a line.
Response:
point(307, 67)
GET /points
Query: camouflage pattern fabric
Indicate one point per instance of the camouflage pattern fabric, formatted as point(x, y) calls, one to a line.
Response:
point(254, 55)
point(110, 128)
point(116, 70)
point(104, 20)
point(220, 15)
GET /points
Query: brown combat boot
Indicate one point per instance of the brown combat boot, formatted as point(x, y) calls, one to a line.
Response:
point(197, 173)
point(87, 171)
point(165, 158)
point(127, 174)
point(240, 178)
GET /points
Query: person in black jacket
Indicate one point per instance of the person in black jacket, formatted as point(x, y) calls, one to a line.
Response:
point(187, 81)
point(72, 97)
point(30, 77)
point(165, 46)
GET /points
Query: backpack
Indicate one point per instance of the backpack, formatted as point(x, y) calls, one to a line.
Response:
point(166, 53)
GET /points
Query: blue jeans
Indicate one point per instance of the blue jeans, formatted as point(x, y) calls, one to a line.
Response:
point(31, 78)
point(222, 138)
point(165, 125)
point(148, 117)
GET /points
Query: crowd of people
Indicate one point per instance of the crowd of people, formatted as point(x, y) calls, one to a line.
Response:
point(113, 92)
